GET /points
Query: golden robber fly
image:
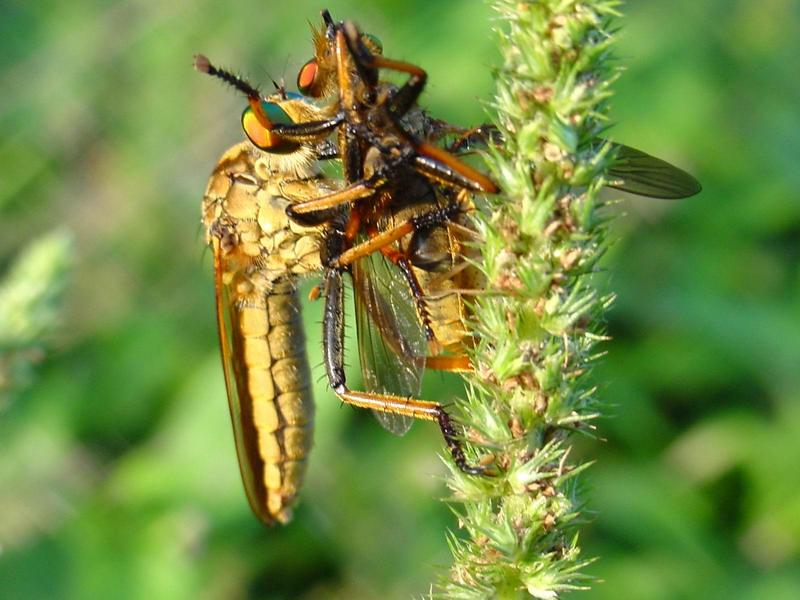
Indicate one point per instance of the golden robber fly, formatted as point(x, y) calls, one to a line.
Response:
point(351, 234)
point(258, 254)
point(399, 189)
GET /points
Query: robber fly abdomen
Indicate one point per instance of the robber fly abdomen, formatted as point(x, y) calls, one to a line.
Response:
point(276, 417)
point(258, 253)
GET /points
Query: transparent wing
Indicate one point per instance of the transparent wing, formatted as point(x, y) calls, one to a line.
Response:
point(639, 173)
point(391, 342)
point(235, 372)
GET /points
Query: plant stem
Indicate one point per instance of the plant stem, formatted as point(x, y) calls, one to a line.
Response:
point(537, 327)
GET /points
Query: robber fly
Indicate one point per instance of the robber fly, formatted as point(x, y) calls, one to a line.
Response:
point(258, 255)
point(355, 233)
point(399, 189)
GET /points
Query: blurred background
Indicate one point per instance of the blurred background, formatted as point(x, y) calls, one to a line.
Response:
point(118, 477)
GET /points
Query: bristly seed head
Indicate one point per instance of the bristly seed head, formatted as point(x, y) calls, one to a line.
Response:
point(535, 334)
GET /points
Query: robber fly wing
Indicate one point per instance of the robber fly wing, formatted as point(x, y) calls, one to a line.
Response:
point(639, 173)
point(391, 342)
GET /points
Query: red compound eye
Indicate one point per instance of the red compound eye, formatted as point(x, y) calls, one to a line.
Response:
point(307, 77)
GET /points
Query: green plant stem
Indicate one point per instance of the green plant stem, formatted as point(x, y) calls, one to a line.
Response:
point(537, 326)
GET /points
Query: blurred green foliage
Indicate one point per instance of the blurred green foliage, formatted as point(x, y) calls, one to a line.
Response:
point(118, 476)
point(30, 304)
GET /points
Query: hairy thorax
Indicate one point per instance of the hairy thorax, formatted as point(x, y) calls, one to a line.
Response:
point(244, 208)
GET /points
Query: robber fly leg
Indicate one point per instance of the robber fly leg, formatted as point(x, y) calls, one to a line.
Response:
point(378, 242)
point(309, 131)
point(483, 135)
point(333, 356)
point(454, 444)
point(333, 359)
point(382, 242)
point(308, 212)
point(441, 166)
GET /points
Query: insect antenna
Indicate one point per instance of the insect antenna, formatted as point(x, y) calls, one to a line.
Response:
point(280, 88)
point(202, 64)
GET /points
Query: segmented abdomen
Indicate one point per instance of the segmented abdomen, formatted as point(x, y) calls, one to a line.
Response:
point(274, 422)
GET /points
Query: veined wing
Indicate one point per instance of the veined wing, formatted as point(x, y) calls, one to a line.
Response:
point(639, 173)
point(391, 342)
point(245, 435)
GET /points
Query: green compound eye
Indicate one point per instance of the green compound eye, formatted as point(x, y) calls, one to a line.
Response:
point(275, 113)
point(263, 137)
point(372, 42)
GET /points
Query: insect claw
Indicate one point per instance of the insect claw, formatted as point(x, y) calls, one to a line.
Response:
point(455, 447)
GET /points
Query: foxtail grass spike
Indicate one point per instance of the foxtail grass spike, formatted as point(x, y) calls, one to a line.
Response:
point(537, 330)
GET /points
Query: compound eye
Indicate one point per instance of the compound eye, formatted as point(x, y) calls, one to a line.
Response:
point(263, 137)
point(307, 77)
point(260, 136)
point(372, 42)
point(275, 113)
